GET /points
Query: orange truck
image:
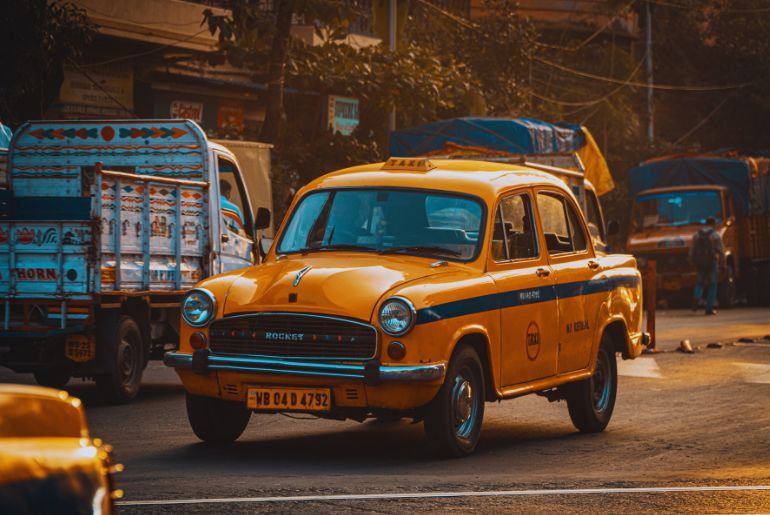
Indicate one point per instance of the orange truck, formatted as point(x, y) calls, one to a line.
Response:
point(673, 197)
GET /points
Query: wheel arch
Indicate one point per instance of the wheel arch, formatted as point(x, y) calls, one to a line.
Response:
point(617, 330)
point(479, 341)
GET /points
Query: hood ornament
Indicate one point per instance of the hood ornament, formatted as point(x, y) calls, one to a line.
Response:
point(300, 274)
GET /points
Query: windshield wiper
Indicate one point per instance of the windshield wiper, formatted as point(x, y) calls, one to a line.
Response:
point(335, 246)
point(421, 249)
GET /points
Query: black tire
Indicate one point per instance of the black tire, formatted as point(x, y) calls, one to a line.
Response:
point(121, 339)
point(52, 377)
point(216, 421)
point(727, 289)
point(453, 418)
point(591, 401)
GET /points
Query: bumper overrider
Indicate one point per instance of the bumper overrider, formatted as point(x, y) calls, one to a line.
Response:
point(372, 372)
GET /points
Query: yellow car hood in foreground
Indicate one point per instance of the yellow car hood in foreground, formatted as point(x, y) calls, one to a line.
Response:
point(51, 475)
point(345, 284)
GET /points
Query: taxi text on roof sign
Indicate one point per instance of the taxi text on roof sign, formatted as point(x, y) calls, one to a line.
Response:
point(405, 163)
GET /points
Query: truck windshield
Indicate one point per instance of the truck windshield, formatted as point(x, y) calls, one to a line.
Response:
point(387, 221)
point(673, 208)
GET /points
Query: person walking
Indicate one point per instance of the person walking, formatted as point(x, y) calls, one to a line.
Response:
point(706, 253)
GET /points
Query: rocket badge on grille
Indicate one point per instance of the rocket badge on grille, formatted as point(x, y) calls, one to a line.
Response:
point(301, 273)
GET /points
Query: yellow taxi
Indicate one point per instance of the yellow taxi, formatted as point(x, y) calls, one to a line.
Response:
point(414, 288)
point(48, 461)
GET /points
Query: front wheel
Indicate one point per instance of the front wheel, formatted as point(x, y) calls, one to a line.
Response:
point(122, 341)
point(591, 401)
point(215, 420)
point(453, 418)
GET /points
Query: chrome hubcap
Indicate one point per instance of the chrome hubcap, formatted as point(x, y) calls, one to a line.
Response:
point(602, 382)
point(463, 406)
point(127, 357)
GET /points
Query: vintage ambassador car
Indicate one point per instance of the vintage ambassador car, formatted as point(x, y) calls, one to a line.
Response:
point(414, 288)
point(48, 461)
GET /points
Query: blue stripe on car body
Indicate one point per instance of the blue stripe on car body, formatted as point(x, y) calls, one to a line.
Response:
point(510, 299)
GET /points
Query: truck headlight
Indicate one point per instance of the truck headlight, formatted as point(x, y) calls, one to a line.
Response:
point(199, 307)
point(397, 316)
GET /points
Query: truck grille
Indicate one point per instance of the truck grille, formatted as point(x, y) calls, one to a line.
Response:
point(293, 336)
point(671, 263)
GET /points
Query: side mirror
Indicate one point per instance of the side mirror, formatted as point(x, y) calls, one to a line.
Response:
point(264, 246)
point(613, 228)
point(262, 218)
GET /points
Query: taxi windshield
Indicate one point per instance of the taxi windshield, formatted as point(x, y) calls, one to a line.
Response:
point(674, 208)
point(386, 220)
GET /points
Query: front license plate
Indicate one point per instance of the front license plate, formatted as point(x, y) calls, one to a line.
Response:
point(80, 347)
point(296, 399)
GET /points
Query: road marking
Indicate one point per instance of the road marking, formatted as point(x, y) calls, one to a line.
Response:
point(639, 367)
point(755, 372)
point(433, 495)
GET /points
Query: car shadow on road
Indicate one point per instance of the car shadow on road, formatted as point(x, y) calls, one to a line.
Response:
point(369, 446)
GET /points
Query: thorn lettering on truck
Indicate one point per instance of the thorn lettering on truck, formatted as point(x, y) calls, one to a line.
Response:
point(36, 274)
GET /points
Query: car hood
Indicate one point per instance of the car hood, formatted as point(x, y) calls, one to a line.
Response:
point(342, 284)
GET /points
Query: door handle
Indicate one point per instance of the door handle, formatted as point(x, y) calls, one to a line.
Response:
point(543, 272)
point(225, 238)
point(593, 265)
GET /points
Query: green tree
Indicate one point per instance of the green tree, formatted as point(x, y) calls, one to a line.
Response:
point(38, 37)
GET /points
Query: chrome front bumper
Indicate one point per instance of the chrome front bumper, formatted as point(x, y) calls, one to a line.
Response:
point(372, 372)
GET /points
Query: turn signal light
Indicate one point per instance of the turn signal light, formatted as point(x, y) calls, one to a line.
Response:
point(197, 340)
point(396, 351)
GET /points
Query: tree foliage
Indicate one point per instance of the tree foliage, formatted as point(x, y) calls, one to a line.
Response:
point(38, 37)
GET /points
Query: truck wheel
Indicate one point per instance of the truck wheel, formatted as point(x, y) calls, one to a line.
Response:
point(591, 401)
point(453, 418)
point(52, 377)
point(125, 349)
point(726, 291)
point(216, 421)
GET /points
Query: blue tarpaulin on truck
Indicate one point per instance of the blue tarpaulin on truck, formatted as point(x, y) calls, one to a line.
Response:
point(735, 174)
point(509, 135)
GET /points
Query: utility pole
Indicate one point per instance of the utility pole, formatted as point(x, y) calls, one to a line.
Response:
point(650, 116)
point(392, 16)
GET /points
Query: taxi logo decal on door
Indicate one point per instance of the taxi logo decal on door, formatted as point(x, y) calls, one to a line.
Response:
point(533, 341)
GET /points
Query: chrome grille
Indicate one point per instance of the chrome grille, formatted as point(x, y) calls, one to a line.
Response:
point(293, 336)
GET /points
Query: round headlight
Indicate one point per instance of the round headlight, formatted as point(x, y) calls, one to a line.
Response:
point(198, 307)
point(397, 316)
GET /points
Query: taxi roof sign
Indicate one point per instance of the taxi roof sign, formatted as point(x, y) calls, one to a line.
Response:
point(408, 164)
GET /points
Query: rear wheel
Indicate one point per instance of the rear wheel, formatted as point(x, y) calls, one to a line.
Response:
point(122, 341)
point(453, 418)
point(216, 421)
point(591, 401)
point(56, 376)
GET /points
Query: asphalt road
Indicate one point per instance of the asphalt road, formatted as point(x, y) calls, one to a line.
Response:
point(691, 432)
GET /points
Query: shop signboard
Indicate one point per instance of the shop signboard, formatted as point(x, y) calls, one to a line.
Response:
point(186, 110)
point(97, 88)
point(342, 114)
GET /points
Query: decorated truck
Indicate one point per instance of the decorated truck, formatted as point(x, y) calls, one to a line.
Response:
point(565, 150)
point(103, 227)
point(673, 198)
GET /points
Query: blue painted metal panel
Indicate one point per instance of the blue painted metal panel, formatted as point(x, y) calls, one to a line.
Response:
point(156, 233)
